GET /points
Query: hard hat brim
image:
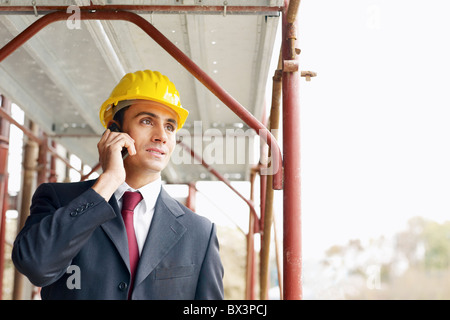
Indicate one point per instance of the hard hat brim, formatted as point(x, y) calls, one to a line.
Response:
point(107, 112)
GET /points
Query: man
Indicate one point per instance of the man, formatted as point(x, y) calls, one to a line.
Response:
point(76, 243)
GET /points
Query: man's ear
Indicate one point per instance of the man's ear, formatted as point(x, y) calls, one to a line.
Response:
point(114, 126)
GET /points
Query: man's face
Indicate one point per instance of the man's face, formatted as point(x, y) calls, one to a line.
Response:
point(153, 127)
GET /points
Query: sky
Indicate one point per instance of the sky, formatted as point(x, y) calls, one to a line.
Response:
point(375, 121)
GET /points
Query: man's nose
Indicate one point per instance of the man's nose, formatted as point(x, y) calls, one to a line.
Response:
point(159, 134)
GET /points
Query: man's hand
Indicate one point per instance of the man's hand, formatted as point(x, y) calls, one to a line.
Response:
point(110, 156)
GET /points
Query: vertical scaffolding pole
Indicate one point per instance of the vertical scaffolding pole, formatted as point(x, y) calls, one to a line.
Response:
point(42, 160)
point(4, 147)
point(53, 177)
point(250, 264)
point(190, 201)
point(22, 289)
point(292, 259)
point(269, 192)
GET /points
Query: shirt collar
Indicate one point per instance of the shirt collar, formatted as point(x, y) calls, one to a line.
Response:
point(150, 192)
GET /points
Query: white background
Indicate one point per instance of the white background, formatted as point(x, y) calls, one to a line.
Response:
point(375, 121)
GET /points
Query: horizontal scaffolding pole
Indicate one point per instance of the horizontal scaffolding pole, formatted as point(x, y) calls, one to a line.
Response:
point(149, 9)
point(220, 177)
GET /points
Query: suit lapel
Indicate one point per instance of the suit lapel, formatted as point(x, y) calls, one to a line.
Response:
point(115, 229)
point(165, 231)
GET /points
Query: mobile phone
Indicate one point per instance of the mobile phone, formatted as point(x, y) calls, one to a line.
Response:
point(115, 127)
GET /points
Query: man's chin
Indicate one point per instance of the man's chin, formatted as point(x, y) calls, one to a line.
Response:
point(155, 166)
point(150, 166)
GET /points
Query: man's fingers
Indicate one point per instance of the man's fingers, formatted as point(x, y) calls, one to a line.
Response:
point(119, 140)
point(131, 149)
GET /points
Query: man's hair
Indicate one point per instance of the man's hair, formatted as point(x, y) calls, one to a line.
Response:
point(119, 116)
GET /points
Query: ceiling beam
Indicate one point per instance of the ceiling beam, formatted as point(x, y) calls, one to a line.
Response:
point(118, 34)
point(218, 9)
point(106, 49)
point(103, 43)
point(195, 26)
point(265, 59)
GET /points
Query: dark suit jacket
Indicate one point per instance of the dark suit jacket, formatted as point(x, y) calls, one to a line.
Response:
point(71, 225)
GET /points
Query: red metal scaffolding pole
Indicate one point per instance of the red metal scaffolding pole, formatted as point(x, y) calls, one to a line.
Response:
point(4, 148)
point(250, 268)
point(194, 9)
point(220, 177)
point(292, 245)
point(190, 201)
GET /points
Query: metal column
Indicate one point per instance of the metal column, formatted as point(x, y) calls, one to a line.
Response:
point(190, 201)
point(250, 268)
point(29, 180)
point(292, 245)
point(4, 147)
point(269, 192)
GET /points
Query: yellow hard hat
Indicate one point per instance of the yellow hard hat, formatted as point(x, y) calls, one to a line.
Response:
point(146, 85)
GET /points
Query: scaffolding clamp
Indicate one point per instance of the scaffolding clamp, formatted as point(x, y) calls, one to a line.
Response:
point(225, 4)
point(33, 3)
point(308, 75)
point(290, 66)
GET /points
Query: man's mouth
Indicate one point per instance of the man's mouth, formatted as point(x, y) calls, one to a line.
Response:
point(156, 152)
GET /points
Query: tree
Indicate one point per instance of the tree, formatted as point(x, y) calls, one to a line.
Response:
point(414, 264)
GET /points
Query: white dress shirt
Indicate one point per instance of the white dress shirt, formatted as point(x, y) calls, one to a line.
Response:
point(143, 213)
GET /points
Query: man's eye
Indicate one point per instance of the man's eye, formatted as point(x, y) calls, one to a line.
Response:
point(170, 127)
point(146, 121)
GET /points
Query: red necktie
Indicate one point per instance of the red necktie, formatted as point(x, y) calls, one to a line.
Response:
point(129, 201)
